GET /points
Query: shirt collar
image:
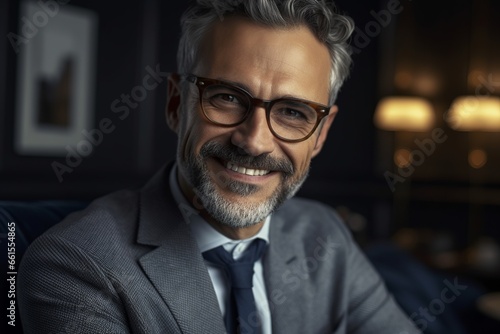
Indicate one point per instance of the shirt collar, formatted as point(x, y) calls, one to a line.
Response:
point(206, 236)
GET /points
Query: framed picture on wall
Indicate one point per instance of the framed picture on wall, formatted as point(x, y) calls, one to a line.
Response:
point(56, 79)
point(60, 75)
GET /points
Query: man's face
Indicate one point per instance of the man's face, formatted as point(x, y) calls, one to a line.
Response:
point(242, 173)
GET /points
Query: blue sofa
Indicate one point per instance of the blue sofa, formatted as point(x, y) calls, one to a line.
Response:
point(31, 220)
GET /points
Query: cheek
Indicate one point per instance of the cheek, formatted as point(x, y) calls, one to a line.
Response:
point(189, 125)
point(300, 155)
point(196, 133)
point(187, 136)
point(304, 164)
point(191, 141)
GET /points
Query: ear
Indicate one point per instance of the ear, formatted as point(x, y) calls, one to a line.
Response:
point(172, 108)
point(323, 132)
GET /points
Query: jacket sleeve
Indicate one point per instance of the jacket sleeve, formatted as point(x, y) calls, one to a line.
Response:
point(61, 289)
point(371, 308)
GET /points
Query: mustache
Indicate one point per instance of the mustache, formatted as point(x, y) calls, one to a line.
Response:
point(234, 154)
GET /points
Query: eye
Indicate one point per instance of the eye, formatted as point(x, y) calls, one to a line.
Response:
point(292, 113)
point(227, 98)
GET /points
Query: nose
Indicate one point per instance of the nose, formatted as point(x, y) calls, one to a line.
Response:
point(254, 136)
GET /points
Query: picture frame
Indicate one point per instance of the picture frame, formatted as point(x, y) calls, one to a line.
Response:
point(56, 75)
point(126, 51)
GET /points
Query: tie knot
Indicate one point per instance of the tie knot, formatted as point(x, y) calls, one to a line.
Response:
point(241, 303)
point(240, 271)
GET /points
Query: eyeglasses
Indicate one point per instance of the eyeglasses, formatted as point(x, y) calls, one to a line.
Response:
point(289, 119)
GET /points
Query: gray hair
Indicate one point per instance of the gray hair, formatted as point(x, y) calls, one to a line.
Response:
point(320, 16)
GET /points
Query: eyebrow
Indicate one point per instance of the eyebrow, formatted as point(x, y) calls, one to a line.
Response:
point(237, 84)
point(248, 90)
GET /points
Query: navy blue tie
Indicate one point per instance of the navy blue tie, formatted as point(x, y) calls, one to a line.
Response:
point(241, 313)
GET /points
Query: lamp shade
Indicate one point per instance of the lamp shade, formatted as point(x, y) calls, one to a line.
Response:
point(404, 114)
point(473, 113)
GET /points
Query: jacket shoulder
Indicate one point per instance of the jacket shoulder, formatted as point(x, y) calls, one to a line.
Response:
point(118, 208)
point(308, 217)
point(104, 224)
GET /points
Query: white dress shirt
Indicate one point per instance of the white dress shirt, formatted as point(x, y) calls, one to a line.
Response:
point(208, 238)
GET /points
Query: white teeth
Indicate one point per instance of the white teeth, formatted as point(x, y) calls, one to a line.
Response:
point(246, 171)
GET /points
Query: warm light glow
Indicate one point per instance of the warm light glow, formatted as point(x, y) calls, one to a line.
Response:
point(426, 84)
point(404, 114)
point(474, 78)
point(423, 82)
point(473, 113)
point(403, 79)
point(477, 158)
point(402, 158)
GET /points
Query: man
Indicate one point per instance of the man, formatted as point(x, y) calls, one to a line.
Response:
point(252, 105)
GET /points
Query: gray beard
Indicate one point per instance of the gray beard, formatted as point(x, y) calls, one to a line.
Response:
point(237, 214)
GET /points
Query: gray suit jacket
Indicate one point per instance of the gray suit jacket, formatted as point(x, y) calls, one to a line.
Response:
point(128, 264)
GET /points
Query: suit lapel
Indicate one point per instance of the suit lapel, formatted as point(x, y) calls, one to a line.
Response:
point(283, 285)
point(176, 267)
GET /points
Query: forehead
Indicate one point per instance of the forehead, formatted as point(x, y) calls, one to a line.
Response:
point(269, 61)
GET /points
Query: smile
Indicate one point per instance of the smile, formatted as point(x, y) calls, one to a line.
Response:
point(246, 171)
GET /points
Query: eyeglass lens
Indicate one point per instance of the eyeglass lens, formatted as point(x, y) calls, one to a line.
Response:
point(289, 119)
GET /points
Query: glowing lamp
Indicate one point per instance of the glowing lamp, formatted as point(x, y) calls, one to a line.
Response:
point(475, 113)
point(404, 114)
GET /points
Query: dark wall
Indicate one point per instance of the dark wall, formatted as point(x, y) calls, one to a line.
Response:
point(128, 42)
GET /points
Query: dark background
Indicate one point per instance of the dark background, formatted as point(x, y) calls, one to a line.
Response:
point(445, 208)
